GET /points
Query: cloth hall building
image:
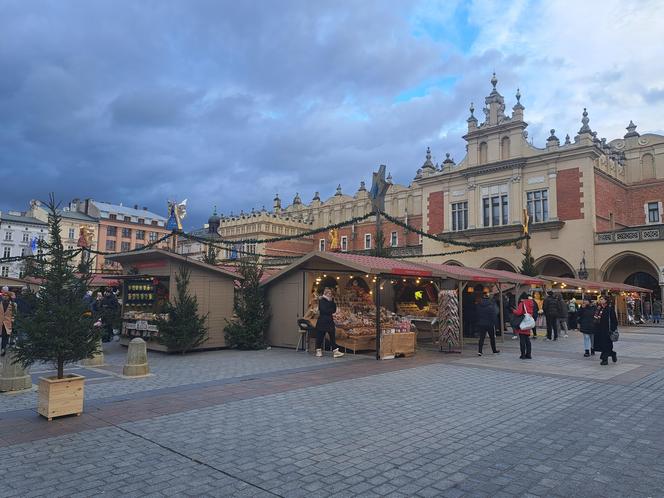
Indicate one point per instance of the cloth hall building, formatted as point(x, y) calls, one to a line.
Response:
point(595, 206)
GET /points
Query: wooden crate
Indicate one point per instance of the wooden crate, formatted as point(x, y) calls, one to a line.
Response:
point(58, 397)
point(358, 343)
point(397, 344)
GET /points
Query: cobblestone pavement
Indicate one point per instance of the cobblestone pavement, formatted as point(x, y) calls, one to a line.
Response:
point(433, 425)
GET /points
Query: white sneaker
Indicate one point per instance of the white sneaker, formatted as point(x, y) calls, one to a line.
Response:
point(336, 353)
point(566, 336)
point(319, 353)
point(514, 337)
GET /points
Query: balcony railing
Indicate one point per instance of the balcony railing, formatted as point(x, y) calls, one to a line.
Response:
point(636, 234)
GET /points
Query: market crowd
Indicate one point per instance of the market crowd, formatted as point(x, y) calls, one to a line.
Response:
point(595, 319)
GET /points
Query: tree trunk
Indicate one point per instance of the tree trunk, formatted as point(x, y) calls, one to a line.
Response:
point(61, 368)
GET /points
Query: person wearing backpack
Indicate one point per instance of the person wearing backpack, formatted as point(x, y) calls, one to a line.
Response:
point(572, 309)
point(587, 326)
point(526, 307)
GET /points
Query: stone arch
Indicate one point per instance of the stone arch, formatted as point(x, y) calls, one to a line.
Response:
point(505, 148)
point(453, 262)
point(647, 166)
point(554, 266)
point(483, 153)
point(499, 264)
point(623, 266)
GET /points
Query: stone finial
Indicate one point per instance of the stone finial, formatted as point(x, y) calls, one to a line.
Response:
point(518, 106)
point(316, 197)
point(296, 199)
point(472, 118)
point(631, 130)
point(137, 359)
point(552, 141)
point(363, 187)
point(596, 140)
point(418, 175)
point(263, 210)
point(584, 123)
point(388, 180)
point(277, 202)
point(253, 211)
point(567, 140)
point(428, 164)
point(448, 162)
point(494, 81)
point(338, 190)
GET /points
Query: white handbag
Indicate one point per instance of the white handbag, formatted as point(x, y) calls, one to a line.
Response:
point(528, 322)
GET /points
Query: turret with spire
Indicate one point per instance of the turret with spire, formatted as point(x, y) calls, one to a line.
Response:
point(495, 110)
point(214, 221)
point(517, 110)
point(472, 120)
point(277, 204)
point(631, 130)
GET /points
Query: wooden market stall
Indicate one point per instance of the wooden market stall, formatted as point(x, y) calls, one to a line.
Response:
point(366, 288)
point(626, 296)
point(149, 282)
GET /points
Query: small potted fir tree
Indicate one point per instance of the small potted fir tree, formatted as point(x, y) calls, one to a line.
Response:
point(60, 329)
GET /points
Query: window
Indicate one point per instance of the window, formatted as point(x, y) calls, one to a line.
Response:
point(321, 244)
point(5, 271)
point(110, 245)
point(127, 218)
point(505, 148)
point(24, 251)
point(495, 206)
point(141, 221)
point(367, 241)
point(537, 203)
point(140, 246)
point(250, 248)
point(394, 239)
point(155, 222)
point(140, 234)
point(7, 252)
point(653, 209)
point(111, 231)
point(126, 233)
point(344, 243)
point(459, 216)
point(483, 153)
point(26, 237)
point(72, 233)
point(8, 235)
point(124, 246)
point(153, 236)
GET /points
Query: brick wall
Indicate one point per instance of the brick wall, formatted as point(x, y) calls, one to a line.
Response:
point(624, 202)
point(403, 239)
point(436, 211)
point(291, 247)
point(569, 195)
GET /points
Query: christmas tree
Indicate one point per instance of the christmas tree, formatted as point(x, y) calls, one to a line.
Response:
point(528, 263)
point(210, 256)
point(250, 307)
point(60, 330)
point(184, 329)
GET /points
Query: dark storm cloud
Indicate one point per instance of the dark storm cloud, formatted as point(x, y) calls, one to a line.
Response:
point(224, 103)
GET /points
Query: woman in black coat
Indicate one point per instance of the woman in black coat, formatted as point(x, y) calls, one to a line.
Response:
point(325, 324)
point(605, 321)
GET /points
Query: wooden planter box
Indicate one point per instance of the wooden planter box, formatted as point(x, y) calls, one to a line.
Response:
point(397, 344)
point(58, 397)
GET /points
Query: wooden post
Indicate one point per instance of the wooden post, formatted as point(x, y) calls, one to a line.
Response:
point(461, 314)
point(377, 304)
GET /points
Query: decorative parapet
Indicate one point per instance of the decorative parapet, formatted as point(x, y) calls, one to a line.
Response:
point(638, 234)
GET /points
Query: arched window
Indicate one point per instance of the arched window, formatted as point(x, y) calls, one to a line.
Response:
point(505, 148)
point(647, 166)
point(483, 153)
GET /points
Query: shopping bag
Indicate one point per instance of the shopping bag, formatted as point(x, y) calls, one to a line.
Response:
point(528, 322)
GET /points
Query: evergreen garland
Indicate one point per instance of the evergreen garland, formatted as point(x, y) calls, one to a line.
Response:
point(60, 328)
point(184, 329)
point(250, 306)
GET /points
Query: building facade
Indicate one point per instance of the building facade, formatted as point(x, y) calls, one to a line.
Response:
point(121, 228)
point(19, 233)
point(594, 206)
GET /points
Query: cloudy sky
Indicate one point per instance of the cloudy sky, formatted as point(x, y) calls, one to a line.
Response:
point(226, 103)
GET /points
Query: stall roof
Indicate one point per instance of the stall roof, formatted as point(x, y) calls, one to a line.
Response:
point(357, 262)
point(465, 273)
point(575, 283)
point(150, 254)
point(515, 278)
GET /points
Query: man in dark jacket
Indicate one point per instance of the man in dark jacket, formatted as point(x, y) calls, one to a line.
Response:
point(585, 316)
point(551, 313)
point(485, 316)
